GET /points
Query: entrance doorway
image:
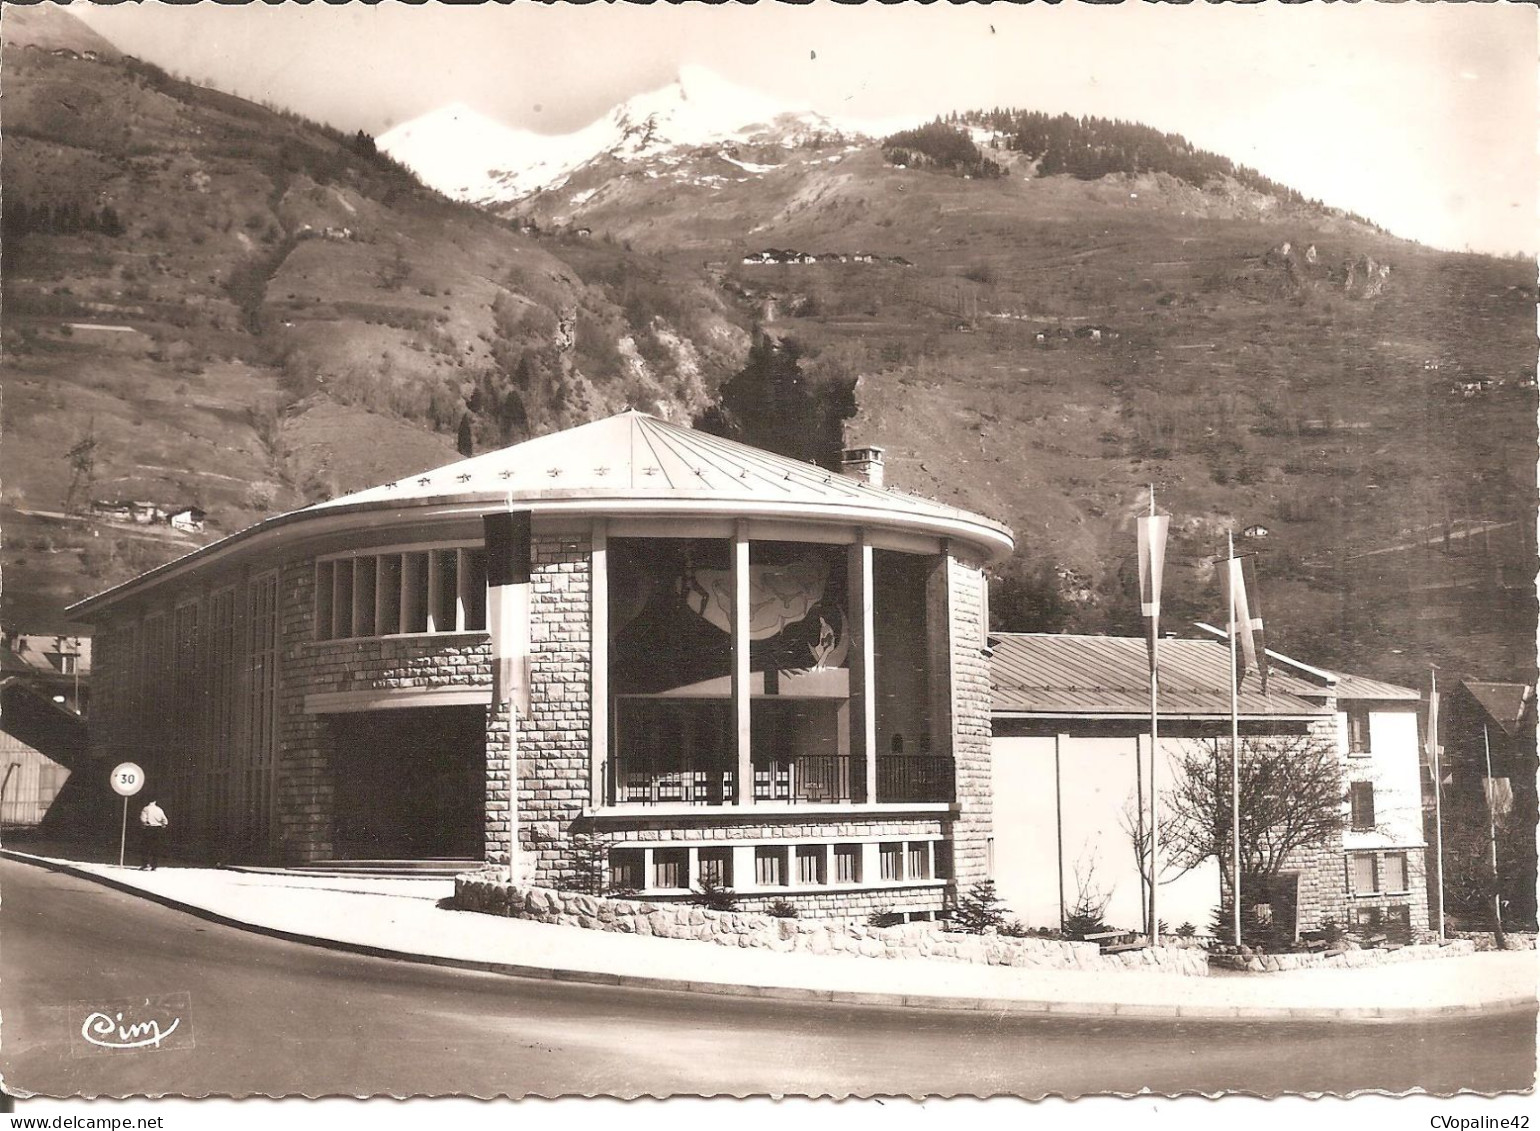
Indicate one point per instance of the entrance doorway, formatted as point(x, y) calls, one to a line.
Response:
point(409, 784)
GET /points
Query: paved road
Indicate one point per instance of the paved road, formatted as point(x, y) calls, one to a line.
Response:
point(275, 1017)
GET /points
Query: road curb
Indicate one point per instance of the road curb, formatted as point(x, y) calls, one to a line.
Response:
point(895, 1000)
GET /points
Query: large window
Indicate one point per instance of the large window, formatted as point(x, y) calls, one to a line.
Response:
point(912, 699)
point(671, 653)
point(408, 591)
point(674, 724)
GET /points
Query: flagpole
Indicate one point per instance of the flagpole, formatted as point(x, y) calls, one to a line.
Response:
point(1490, 792)
point(1438, 801)
point(1235, 756)
point(1154, 756)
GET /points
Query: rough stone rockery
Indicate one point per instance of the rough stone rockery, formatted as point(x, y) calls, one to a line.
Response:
point(481, 891)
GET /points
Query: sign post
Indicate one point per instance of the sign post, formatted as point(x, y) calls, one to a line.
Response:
point(127, 780)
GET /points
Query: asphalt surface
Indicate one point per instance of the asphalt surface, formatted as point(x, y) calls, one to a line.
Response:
point(265, 1016)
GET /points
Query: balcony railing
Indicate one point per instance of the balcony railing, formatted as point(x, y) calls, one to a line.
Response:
point(911, 778)
point(805, 779)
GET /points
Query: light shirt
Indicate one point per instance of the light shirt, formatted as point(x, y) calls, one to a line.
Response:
point(152, 816)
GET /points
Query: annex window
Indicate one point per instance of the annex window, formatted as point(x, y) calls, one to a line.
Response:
point(1361, 801)
point(1358, 733)
point(1394, 875)
point(891, 859)
point(413, 591)
point(1363, 874)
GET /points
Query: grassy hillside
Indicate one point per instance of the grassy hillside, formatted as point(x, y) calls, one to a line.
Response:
point(1060, 343)
point(276, 315)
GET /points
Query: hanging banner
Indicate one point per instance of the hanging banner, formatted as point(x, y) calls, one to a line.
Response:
point(508, 573)
point(1152, 531)
point(1239, 610)
point(1254, 605)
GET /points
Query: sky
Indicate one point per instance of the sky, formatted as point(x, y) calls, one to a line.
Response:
point(1422, 117)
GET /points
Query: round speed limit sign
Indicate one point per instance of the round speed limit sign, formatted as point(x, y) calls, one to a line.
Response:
point(127, 779)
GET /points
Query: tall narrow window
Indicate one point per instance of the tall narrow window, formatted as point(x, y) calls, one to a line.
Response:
point(919, 860)
point(810, 864)
point(1358, 732)
point(847, 863)
point(1361, 798)
point(891, 858)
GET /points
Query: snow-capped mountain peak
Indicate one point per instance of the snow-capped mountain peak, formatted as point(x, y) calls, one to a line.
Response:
point(469, 156)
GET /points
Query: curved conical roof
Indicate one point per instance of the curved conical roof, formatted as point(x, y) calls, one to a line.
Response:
point(639, 462)
point(628, 464)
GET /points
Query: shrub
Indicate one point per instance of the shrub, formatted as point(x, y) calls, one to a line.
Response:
point(979, 910)
point(884, 919)
point(783, 909)
point(1016, 929)
point(714, 897)
point(1186, 931)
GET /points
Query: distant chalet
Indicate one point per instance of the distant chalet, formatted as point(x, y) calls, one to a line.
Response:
point(783, 257)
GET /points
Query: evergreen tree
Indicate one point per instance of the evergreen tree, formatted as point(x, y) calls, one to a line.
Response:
point(980, 910)
point(465, 443)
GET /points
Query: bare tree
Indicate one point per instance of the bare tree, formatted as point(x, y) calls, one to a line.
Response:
point(82, 461)
point(1291, 798)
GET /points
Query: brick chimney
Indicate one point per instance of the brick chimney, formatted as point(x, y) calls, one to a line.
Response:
point(864, 464)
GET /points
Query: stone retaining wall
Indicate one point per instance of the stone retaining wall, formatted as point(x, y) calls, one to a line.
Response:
point(1258, 963)
point(480, 892)
point(1484, 940)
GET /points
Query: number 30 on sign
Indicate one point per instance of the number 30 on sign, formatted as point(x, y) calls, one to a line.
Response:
point(127, 779)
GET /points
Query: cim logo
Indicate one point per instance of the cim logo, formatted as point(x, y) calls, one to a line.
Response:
point(151, 1023)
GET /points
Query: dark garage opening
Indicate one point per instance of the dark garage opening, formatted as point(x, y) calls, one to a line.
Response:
point(409, 784)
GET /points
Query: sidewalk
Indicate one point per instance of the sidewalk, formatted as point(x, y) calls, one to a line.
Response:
point(400, 918)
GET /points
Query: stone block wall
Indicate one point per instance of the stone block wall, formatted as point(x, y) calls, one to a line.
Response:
point(553, 743)
point(1324, 890)
point(489, 893)
point(971, 729)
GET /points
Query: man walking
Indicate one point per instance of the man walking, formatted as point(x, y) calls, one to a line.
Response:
point(152, 822)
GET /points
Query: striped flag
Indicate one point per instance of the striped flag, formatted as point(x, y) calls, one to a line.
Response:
point(1152, 560)
point(508, 572)
point(1254, 604)
point(1239, 608)
point(1430, 740)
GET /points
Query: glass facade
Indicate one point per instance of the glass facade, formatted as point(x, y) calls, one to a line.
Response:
point(674, 722)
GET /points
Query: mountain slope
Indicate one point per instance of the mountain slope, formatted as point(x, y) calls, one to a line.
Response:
point(1061, 341)
point(209, 303)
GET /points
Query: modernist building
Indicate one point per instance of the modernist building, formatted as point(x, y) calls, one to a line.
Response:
point(739, 669)
point(1072, 752)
